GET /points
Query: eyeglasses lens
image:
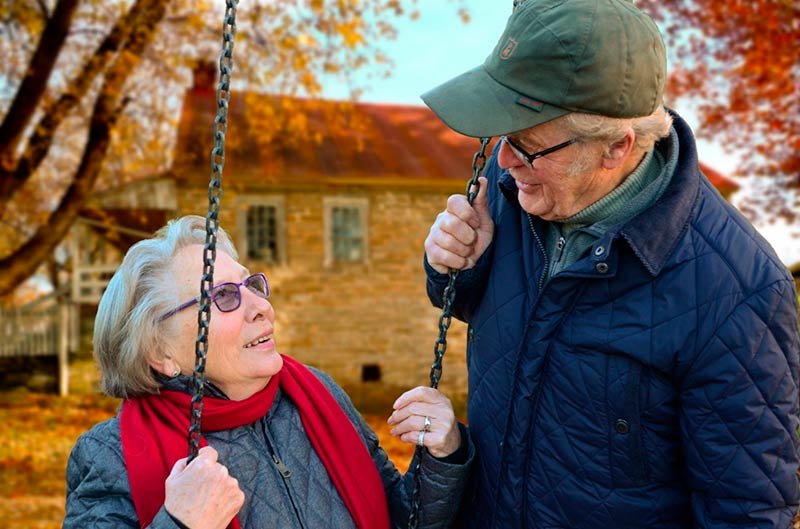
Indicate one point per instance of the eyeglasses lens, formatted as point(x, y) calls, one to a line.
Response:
point(227, 297)
point(258, 285)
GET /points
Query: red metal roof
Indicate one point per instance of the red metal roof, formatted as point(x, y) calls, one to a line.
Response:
point(363, 143)
point(724, 185)
point(366, 143)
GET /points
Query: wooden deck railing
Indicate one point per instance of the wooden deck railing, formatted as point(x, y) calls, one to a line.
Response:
point(40, 328)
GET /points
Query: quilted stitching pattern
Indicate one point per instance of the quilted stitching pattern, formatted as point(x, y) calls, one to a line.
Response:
point(663, 394)
point(99, 495)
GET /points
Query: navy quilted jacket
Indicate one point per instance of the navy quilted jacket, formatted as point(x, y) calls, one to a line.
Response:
point(652, 384)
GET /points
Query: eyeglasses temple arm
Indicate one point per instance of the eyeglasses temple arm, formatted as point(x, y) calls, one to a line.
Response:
point(178, 309)
point(556, 147)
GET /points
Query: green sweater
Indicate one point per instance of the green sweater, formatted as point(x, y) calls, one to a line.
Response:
point(568, 241)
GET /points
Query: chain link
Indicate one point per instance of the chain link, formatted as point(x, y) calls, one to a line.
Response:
point(212, 224)
point(449, 295)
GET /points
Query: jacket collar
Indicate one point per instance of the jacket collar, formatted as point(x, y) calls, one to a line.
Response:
point(672, 212)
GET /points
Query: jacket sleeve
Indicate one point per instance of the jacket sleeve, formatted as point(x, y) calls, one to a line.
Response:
point(739, 416)
point(469, 286)
point(470, 283)
point(98, 494)
point(442, 486)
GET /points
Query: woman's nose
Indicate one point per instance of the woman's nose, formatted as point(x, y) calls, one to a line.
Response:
point(257, 306)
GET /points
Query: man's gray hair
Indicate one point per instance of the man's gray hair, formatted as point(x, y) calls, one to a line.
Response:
point(127, 329)
point(648, 129)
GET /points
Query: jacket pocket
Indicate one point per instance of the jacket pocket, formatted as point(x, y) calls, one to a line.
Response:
point(626, 441)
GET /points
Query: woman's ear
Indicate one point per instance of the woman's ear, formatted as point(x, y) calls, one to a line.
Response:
point(164, 364)
point(619, 151)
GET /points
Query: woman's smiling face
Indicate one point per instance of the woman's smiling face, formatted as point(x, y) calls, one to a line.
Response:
point(242, 355)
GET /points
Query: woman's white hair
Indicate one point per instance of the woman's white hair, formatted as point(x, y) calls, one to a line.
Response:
point(648, 129)
point(127, 329)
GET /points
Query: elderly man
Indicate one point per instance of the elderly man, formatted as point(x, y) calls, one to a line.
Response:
point(633, 341)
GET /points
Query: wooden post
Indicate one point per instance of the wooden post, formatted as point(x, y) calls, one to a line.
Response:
point(63, 349)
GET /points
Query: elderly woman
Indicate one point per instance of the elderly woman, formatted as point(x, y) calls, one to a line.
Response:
point(282, 445)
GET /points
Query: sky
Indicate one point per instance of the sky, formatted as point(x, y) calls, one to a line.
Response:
point(438, 46)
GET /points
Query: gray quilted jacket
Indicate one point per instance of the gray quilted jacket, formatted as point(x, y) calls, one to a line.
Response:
point(98, 493)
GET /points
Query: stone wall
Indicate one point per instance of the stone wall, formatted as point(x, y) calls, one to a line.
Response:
point(355, 319)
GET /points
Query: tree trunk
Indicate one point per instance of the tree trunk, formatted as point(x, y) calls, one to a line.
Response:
point(34, 83)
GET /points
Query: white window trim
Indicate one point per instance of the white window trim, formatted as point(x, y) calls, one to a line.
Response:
point(243, 204)
point(328, 203)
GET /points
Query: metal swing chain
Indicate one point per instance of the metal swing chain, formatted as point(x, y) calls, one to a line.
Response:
point(212, 224)
point(449, 295)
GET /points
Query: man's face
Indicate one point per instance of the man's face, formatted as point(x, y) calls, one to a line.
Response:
point(561, 183)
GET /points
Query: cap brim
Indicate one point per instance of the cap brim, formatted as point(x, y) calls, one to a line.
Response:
point(476, 105)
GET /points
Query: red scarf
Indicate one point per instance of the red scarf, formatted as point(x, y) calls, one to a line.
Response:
point(154, 432)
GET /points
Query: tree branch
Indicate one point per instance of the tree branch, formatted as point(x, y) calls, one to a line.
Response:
point(107, 109)
point(34, 83)
point(43, 7)
point(54, 113)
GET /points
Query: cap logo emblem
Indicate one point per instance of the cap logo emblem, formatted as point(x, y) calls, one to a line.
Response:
point(530, 103)
point(508, 48)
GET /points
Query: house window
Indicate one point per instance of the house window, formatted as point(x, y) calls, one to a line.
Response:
point(345, 230)
point(261, 226)
point(262, 233)
point(348, 234)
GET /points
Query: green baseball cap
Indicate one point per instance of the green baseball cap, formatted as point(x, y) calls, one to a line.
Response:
point(558, 56)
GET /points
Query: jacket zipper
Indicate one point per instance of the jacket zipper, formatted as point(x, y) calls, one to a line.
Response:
point(284, 471)
point(544, 253)
point(535, 402)
point(546, 359)
point(560, 245)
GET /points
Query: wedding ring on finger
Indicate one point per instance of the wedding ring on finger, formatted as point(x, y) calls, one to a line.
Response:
point(421, 438)
point(427, 426)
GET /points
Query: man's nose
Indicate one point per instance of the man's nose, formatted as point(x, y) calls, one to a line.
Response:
point(506, 158)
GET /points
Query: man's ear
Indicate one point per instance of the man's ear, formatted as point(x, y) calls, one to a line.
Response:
point(619, 151)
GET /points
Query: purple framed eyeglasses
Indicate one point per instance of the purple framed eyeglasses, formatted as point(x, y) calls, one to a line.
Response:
point(227, 296)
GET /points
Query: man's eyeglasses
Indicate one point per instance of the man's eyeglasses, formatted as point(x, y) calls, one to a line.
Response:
point(227, 296)
point(527, 158)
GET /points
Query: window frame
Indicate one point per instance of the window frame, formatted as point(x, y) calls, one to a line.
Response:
point(361, 204)
point(244, 204)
